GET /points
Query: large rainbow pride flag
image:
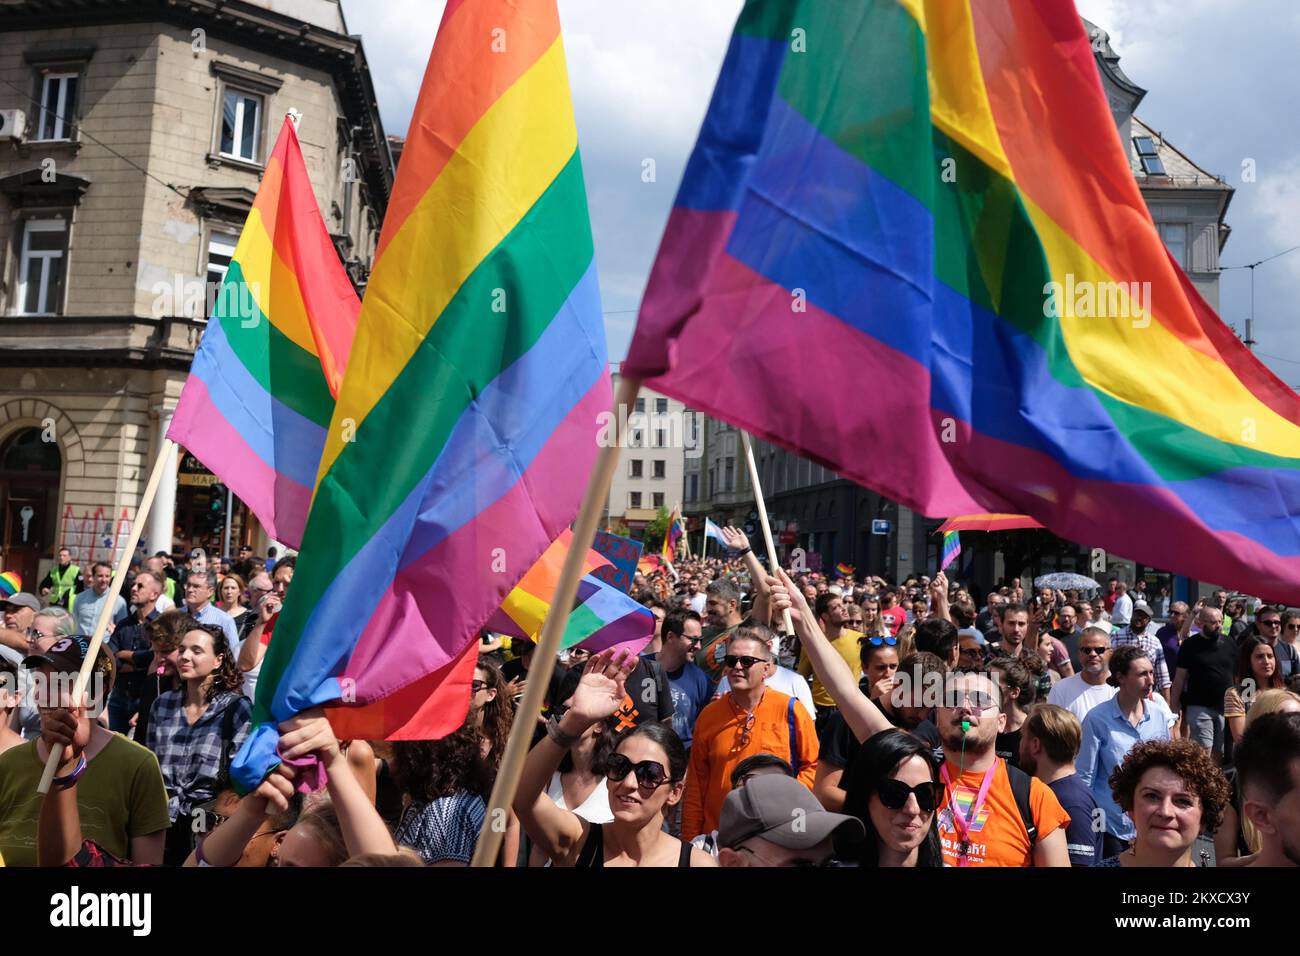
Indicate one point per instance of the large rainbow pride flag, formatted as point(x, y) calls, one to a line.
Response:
point(261, 389)
point(932, 196)
point(475, 384)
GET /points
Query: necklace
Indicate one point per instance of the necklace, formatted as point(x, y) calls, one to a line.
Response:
point(747, 725)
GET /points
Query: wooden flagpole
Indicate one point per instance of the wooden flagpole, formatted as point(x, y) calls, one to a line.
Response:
point(773, 564)
point(539, 673)
point(166, 458)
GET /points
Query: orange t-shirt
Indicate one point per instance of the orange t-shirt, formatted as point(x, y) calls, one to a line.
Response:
point(997, 834)
point(715, 751)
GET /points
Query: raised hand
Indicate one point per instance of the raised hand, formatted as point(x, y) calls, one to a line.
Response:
point(309, 732)
point(735, 539)
point(602, 688)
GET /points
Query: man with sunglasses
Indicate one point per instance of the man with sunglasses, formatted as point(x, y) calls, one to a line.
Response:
point(689, 686)
point(1268, 625)
point(1090, 687)
point(748, 718)
point(990, 816)
point(775, 821)
point(132, 651)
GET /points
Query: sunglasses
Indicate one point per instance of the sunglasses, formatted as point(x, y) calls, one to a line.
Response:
point(650, 774)
point(1270, 623)
point(477, 685)
point(1293, 627)
point(1092, 650)
point(893, 794)
point(880, 641)
point(731, 660)
point(980, 700)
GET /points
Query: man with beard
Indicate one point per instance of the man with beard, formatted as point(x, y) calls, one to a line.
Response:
point(1268, 773)
point(990, 816)
point(1090, 687)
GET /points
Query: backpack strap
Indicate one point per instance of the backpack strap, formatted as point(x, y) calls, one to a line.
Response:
point(227, 739)
point(794, 736)
point(1020, 784)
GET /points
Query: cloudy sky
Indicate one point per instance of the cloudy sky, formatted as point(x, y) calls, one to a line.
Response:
point(1222, 80)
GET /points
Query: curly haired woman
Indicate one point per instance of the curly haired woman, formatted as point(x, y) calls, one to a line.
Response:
point(446, 784)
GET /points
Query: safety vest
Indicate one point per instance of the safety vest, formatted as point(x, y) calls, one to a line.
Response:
point(65, 583)
point(169, 588)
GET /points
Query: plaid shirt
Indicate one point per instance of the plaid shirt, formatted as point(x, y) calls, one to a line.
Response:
point(1149, 643)
point(190, 754)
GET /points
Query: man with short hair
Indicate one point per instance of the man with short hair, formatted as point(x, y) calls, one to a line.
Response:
point(690, 687)
point(1067, 631)
point(1170, 635)
point(1122, 610)
point(1268, 775)
point(16, 614)
point(1207, 662)
point(158, 566)
point(775, 821)
point(86, 606)
point(200, 586)
point(1090, 687)
point(131, 649)
point(1049, 742)
point(721, 617)
point(748, 718)
point(988, 810)
point(1013, 629)
point(830, 614)
point(1137, 631)
point(63, 583)
point(891, 612)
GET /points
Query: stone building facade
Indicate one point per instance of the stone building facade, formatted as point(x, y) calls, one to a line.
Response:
point(132, 141)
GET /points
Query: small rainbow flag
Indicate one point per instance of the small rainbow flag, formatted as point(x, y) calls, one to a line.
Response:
point(11, 583)
point(261, 389)
point(844, 570)
point(602, 617)
point(671, 535)
point(951, 548)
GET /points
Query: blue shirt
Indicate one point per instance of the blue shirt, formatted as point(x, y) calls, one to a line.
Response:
point(86, 607)
point(211, 614)
point(692, 690)
point(1107, 739)
point(1083, 842)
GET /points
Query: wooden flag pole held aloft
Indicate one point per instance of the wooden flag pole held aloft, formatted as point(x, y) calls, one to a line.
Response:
point(539, 674)
point(166, 458)
point(762, 518)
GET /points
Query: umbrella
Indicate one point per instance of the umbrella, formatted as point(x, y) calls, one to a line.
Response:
point(1065, 581)
point(988, 522)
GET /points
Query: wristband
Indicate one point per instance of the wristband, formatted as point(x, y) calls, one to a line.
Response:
point(562, 740)
point(68, 780)
point(745, 552)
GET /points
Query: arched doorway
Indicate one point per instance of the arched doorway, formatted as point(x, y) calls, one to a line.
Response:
point(29, 501)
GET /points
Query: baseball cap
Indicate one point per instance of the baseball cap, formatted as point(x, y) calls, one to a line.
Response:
point(1142, 606)
point(65, 655)
point(783, 811)
point(22, 599)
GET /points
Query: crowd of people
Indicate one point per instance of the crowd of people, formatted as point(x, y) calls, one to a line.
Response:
point(775, 719)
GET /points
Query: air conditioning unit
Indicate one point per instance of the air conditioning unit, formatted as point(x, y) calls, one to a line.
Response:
point(13, 123)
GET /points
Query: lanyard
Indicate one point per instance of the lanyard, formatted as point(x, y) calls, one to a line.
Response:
point(961, 824)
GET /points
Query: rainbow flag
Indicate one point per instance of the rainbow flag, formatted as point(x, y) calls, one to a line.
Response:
point(474, 389)
point(937, 191)
point(11, 582)
point(602, 616)
point(262, 386)
point(951, 548)
point(843, 570)
point(671, 534)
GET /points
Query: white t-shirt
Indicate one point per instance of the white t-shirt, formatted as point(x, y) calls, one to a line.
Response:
point(786, 682)
point(595, 809)
point(1122, 611)
point(1078, 696)
point(697, 602)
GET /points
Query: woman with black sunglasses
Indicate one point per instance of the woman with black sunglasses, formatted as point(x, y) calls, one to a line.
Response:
point(893, 787)
point(645, 775)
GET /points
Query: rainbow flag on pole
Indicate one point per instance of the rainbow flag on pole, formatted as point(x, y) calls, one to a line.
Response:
point(602, 617)
point(468, 418)
point(262, 386)
point(935, 191)
point(951, 548)
point(671, 535)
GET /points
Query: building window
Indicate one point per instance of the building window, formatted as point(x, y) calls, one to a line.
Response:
point(241, 125)
point(661, 406)
point(661, 438)
point(1174, 235)
point(634, 440)
point(729, 483)
point(634, 499)
point(659, 466)
point(41, 267)
point(221, 249)
point(640, 405)
point(58, 105)
point(657, 499)
point(634, 468)
point(692, 487)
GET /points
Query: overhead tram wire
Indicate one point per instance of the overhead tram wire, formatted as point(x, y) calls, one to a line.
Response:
point(1249, 339)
